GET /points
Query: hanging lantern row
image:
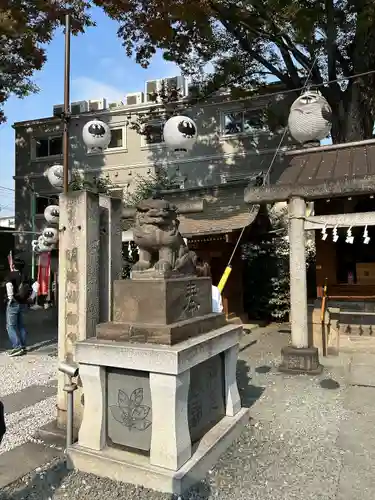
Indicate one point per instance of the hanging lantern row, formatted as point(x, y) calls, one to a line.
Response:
point(349, 236)
point(179, 132)
point(310, 118)
point(49, 239)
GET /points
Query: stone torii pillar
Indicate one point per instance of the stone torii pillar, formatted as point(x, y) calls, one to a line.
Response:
point(300, 357)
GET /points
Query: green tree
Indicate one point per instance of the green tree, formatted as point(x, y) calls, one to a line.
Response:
point(266, 262)
point(145, 187)
point(96, 184)
point(26, 26)
point(250, 41)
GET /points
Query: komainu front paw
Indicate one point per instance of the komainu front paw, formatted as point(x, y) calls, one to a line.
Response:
point(163, 266)
point(141, 265)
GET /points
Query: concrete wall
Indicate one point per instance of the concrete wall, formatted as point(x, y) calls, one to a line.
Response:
point(217, 157)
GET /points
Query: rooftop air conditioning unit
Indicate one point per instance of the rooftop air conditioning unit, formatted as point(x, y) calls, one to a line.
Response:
point(58, 110)
point(151, 87)
point(193, 89)
point(115, 104)
point(97, 104)
point(176, 82)
point(134, 98)
point(78, 107)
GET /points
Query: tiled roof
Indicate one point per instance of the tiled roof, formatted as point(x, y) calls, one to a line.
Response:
point(354, 161)
point(321, 172)
point(225, 211)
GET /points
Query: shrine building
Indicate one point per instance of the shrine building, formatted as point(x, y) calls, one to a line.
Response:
point(340, 180)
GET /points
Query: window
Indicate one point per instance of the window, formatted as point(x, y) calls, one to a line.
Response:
point(244, 122)
point(117, 138)
point(48, 146)
point(42, 203)
point(153, 134)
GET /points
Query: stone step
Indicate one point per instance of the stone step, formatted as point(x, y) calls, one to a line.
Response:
point(353, 343)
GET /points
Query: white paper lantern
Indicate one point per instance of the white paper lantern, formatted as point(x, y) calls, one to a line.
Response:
point(310, 117)
point(35, 245)
point(96, 135)
point(52, 214)
point(50, 235)
point(43, 245)
point(180, 134)
point(55, 176)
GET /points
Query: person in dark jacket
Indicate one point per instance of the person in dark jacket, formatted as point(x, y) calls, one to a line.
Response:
point(2, 421)
point(20, 292)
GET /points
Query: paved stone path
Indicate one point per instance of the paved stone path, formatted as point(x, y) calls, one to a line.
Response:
point(308, 438)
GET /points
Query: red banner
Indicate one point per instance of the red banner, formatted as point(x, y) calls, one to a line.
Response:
point(44, 272)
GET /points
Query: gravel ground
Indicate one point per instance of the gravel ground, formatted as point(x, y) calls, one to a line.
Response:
point(20, 372)
point(287, 451)
point(17, 374)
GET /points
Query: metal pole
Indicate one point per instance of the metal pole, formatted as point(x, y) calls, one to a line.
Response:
point(33, 210)
point(69, 389)
point(66, 104)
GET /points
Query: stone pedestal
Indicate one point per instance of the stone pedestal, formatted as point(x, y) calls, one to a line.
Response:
point(300, 360)
point(171, 311)
point(158, 415)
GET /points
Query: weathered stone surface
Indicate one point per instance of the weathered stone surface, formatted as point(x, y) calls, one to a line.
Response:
point(160, 301)
point(162, 250)
point(206, 405)
point(78, 282)
point(129, 408)
point(130, 404)
point(160, 334)
point(300, 360)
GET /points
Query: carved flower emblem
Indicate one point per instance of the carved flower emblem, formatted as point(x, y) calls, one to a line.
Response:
point(130, 412)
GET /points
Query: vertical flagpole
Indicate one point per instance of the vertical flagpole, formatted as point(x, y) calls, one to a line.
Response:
point(66, 104)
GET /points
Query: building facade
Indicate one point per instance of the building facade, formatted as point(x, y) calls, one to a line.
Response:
point(7, 221)
point(234, 145)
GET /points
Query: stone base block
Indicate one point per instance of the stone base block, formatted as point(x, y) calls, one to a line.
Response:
point(160, 334)
point(133, 468)
point(300, 360)
point(161, 301)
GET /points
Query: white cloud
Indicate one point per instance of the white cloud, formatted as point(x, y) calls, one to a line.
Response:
point(84, 88)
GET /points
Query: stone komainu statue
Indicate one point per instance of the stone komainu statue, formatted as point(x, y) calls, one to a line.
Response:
point(162, 250)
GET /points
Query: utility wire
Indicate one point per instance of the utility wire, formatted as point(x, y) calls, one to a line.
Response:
point(266, 178)
point(297, 89)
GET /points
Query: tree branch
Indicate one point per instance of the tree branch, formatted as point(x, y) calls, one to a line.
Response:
point(247, 46)
point(331, 39)
point(290, 67)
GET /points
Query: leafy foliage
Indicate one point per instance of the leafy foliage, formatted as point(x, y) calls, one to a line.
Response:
point(97, 185)
point(243, 43)
point(250, 41)
point(26, 26)
point(267, 269)
point(145, 187)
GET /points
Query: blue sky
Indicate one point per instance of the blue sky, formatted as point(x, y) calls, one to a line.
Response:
point(99, 68)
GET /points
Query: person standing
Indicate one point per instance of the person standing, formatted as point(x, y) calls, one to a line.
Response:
point(2, 421)
point(204, 271)
point(20, 292)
